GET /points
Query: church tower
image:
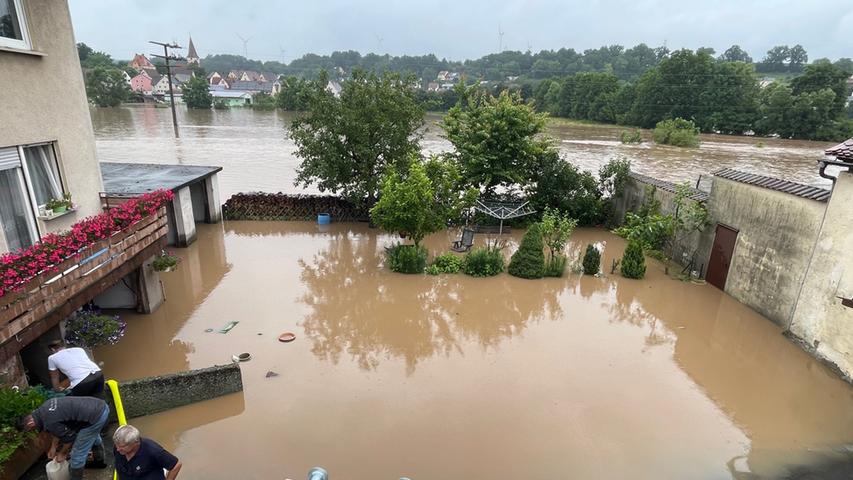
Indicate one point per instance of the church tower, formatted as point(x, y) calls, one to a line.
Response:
point(192, 55)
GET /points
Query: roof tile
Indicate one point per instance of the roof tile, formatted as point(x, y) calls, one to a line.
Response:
point(793, 188)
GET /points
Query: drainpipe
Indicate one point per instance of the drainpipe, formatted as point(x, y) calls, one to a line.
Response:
point(825, 163)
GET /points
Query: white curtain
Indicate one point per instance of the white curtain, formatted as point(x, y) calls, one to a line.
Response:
point(15, 215)
point(44, 175)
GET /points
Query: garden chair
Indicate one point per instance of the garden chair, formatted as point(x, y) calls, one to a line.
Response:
point(465, 241)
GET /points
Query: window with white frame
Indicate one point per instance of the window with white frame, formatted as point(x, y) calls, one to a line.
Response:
point(29, 178)
point(13, 25)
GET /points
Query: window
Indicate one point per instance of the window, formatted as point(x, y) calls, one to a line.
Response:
point(13, 25)
point(43, 173)
point(17, 224)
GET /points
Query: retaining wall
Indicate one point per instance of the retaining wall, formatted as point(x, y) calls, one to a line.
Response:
point(279, 206)
point(156, 394)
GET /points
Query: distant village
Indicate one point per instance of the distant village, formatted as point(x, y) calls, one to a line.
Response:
point(237, 87)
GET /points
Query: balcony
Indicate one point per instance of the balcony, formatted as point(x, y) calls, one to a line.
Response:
point(50, 297)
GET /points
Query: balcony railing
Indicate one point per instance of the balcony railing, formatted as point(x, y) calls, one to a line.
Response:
point(65, 287)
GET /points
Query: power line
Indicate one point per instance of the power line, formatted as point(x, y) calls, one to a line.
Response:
point(167, 57)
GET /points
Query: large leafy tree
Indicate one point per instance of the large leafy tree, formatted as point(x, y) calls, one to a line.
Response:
point(497, 140)
point(106, 87)
point(196, 93)
point(294, 94)
point(821, 76)
point(735, 54)
point(347, 143)
point(422, 200)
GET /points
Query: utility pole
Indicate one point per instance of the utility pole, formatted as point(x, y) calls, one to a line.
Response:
point(167, 57)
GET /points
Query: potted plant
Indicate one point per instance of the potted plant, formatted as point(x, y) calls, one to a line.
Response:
point(18, 450)
point(90, 329)
point(164, 262)
point(60, 205)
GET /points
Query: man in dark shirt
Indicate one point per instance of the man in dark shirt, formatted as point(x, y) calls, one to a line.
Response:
point(75, 423)
point(138, 457)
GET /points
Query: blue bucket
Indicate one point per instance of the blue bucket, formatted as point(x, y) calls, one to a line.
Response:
point(324, 219)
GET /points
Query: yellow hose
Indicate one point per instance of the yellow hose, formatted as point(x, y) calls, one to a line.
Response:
point(122, 420)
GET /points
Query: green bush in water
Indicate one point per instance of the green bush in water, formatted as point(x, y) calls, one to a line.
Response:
point(676, 131)
point(407, 258)
point(445, 263)
point(483, 262)
point(556, 266)
point(591, 260)
point(529, 260)
point(633, 262)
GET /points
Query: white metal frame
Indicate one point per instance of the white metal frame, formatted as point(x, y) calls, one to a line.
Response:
point(24, 43)
point(26, 168)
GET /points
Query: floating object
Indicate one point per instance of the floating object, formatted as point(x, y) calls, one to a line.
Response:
point(318, 473)
point(243, 357)
point(227, 327)
point(271, 374)
point(287, 337)
point(208, 330)
point(324, 219)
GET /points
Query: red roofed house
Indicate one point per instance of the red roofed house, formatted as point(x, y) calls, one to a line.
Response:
point(141, 62)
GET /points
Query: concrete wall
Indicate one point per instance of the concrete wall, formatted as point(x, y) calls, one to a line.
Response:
point(43, 99)
point(156, 394)
point(819, 319)
point(776, 234)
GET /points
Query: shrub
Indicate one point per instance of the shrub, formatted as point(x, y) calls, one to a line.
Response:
point(634, 136)
point(483, 262)
point(90, 329)
point(556, 266)
point(445, 263)
point(559, 185)
point(652, 231)
point(677, 132)
point(633, 262)
point(164, 262)
point(13, 404)
point(529, 260)
point(591, 260)
point(407, 258)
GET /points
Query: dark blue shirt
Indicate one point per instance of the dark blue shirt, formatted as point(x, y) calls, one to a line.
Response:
point(148, 463)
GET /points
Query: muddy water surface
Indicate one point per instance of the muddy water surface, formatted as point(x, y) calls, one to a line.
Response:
point(256, 154)
point(456, 377)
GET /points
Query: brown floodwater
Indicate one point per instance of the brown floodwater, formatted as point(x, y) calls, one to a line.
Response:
point(256, 154)
point(451, 376)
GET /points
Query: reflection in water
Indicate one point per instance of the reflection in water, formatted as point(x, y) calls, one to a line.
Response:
point(369, 314)
point(455, 377)
point(253, 148)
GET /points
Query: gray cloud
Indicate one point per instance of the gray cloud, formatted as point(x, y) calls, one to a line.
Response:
point(460, 29)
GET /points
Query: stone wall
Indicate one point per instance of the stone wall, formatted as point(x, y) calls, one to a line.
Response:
point(776, 234)
point(156, 394)
point(820, 319)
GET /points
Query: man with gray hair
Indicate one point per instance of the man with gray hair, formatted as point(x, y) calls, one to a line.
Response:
point(138, 457)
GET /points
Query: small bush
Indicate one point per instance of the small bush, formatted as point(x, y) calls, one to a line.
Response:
point(556, 266)
point(677, 132)
point(445, 263)
point(634, 136)
point(591, 260)
point(633, 262)
point(407, 258)
point(13, 404)
point(164, 262)
point(483, 262)
point(529, 260)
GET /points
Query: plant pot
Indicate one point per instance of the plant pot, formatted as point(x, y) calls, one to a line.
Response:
point(61, 209)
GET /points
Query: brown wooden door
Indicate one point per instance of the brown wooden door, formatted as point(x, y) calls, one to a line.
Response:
point(721, 256)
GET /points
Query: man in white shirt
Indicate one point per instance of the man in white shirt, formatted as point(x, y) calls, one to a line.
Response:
point(85, 376)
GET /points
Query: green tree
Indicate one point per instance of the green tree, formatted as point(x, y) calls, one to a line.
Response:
point(556, 229)
point(421, 201)
point(633, 263)
point(529, 260)
point(677, 132)
point(559, 185)
point(735, 54)
point(823, 76)
point(496, 140)
point(797, 58)
point(106, 87)
point(196, 93)
point(294, 94)
point(591, 260)
point(776, 59)
point(732, 96)
point(347, 143)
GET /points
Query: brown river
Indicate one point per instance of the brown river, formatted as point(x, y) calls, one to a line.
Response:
point(256, 155)
point(453, 377)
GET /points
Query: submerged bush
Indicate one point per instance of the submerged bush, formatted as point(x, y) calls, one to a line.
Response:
point(529, 260)
point(556, 266)
point(677, 132)
point(445, 263)
point(634, 136)
point(591, 260)
point(406, 258)
point(483, 262)
point(633, 262)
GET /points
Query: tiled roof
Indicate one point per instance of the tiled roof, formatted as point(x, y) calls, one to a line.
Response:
point(697, 195)
point(843, 152)
point(798, 189)
point(252, 86)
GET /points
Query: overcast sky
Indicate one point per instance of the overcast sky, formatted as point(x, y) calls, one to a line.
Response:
point(461, 29)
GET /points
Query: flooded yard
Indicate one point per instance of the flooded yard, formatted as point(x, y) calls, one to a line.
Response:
point(457, 377)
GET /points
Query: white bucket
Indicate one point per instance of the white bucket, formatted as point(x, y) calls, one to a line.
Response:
point(57, 471)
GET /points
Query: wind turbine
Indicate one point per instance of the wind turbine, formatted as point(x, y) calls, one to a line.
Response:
point(500, 39)
point(282, 51)
point(378, 42)
point(245, 45)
